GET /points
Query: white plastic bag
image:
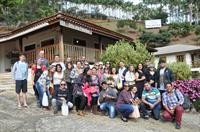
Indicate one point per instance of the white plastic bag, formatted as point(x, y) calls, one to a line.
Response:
point(45, 101)
point(65, 109)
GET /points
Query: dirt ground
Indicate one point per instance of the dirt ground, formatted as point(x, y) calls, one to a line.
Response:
point(34, 119)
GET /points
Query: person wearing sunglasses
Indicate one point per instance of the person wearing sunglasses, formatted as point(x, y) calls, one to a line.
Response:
point(60, 96)
point(124, 103)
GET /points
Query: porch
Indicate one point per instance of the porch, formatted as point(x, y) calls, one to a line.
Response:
point(72, 51)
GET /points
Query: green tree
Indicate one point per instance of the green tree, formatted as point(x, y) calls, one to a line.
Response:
point(123, 51)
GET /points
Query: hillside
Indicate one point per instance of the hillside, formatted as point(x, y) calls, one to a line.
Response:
point(112, 25)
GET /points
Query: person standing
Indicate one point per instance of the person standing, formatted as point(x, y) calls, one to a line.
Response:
point(130, 75)
point(57, 61)
point(121, 73)
point(172, 101)
point(20, 75)
point(43, 60)
point(164, 76)
point(151, 75)
point(58, 77)
point(140, 79)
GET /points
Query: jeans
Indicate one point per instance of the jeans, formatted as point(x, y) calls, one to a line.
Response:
point(155, 110)
point(56, 88)
point(125, 110)
point(106, 106)
point(56, 104)
point(39, 87)
point(70, 86)
point(178, 115)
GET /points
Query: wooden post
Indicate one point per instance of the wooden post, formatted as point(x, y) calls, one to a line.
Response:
point(100, 42)
point(61, 45)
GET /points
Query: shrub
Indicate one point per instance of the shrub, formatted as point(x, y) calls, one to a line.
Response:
point(197, 30)
point(197, 105)
point(181, 70)
point(180, 29)
point(191, 88)
point(123, 23)
point(124, 51)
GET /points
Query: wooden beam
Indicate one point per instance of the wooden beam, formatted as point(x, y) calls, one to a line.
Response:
point(61, 45)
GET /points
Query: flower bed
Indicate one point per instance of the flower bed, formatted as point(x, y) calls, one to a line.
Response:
point(191, 88)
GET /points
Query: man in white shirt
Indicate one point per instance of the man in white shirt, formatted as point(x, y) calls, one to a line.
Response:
point(57, 61)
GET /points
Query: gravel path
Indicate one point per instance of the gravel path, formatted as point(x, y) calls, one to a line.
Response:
point(38, 120)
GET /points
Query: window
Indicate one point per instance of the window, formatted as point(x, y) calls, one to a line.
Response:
point(29, 47)
point(180, 58)
point(79, 42)
point(47, 42)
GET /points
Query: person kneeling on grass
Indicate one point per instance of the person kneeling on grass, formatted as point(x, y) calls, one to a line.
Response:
point(172, 101)
point(124, 103)
point(107, 99)
point(150, 101)
point(60, 96)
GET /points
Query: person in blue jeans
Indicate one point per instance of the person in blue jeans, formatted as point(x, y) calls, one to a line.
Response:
point(150, 101)
point(124, 103)
point(107, 99)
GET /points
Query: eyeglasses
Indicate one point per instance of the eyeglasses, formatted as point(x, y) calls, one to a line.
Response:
point(62, 84)
point(126, 86)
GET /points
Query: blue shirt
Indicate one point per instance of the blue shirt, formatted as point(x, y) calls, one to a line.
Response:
point(20, 70)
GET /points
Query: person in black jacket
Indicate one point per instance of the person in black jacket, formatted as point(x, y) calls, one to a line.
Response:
point(164, 75)
point(151, 75)
point(60, 96)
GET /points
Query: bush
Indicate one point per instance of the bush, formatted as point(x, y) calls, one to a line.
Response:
point(197, 30)
point(181, 70)
point(197, 105)
point(124, 51)
point(191, 88)
point(123, 23)
point(180, 29)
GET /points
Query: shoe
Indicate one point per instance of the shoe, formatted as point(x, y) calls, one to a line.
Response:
point(178, 126)
point(55, 112)
point(146, 116)
point(124, 119)
point(81, 113)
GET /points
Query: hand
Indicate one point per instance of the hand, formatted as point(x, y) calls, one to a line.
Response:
point(143, 77)
point(151, 106)
point(62, 98)
point(104, 96)
point(33, 83)
point(171, 111)
point(151, 81)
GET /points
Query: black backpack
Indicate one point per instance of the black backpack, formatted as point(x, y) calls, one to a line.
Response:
point(187, 104)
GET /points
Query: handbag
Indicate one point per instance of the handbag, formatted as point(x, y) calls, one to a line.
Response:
point(45, 101)
point(119, 84)
point(187, 103)
point(135, 113)
point(65, 109)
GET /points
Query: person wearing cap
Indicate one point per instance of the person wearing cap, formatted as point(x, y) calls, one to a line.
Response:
point(164, 75)
point(151, 99)
point(107, 99)
point(57, 61)
point(43, 60)
point(124, 103)
point(151, 75)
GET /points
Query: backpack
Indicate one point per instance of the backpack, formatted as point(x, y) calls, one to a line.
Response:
point(187, 104)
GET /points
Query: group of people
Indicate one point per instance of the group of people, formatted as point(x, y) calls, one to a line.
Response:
point(131, 92)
